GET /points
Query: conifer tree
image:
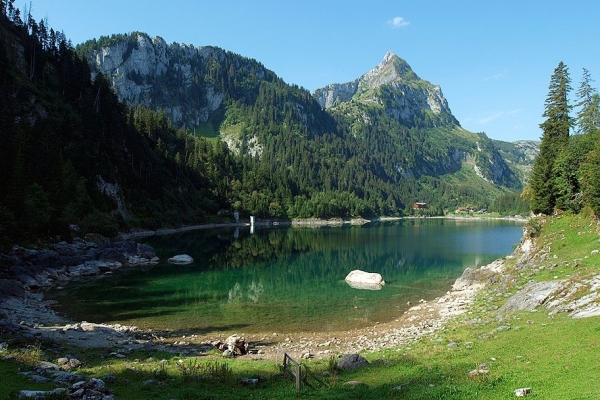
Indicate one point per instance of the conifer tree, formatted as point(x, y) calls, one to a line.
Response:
point(589, 172)
point(588, 114)
point(555, 137)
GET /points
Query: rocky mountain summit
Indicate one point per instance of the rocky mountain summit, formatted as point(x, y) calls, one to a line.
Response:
point(149, 72)
point(391, 83)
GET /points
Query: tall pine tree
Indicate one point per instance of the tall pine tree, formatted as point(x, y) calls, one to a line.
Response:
point(588, 114)
point(547, 182)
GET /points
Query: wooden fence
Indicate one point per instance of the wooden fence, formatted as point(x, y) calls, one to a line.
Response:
point(301, 373)
point(293, 367)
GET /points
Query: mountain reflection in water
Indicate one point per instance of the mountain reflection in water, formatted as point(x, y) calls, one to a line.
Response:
point(290, 279)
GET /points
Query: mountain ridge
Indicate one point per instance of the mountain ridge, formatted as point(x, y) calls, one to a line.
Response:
point(389, 94)
point(411, 93)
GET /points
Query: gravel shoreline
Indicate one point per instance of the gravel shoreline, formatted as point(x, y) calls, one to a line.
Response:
point(33, 318)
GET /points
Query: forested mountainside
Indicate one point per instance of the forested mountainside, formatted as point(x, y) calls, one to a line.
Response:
point(202, 130)
point(386, 140)
point(72, 154)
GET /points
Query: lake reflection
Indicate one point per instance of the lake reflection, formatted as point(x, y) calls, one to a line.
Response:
point(291, 279)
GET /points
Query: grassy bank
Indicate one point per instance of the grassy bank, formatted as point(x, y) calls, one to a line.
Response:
point(555, 356)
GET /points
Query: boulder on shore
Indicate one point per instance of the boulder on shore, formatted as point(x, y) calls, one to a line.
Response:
point(181, 259)
point(364, 280)
point(352, 361)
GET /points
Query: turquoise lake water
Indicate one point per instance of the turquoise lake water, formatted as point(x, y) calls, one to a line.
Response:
point(290, 279)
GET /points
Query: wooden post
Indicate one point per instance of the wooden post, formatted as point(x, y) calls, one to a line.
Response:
point(295, 370)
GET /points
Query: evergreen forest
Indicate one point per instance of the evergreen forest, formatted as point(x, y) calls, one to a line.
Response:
point(75, 158)
point(566, 173)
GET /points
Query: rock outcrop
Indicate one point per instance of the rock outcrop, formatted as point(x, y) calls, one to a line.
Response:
point(31, 269)
point(352, 361)
point(137, 64)
point(410, 94)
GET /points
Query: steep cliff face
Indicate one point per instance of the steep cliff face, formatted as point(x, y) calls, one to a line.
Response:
point(147, 71)
point(393, 84)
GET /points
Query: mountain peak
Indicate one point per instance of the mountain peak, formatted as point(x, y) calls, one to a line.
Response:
point(392, 69)
point(394, 84)
point(390, 55)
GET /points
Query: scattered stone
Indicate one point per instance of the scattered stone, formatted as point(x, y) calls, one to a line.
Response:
point(63, 376)
point(228, 353)
point(522, 392)
point(353, 383)
point(62, 361)
point(181, 259)
point(400, 386)
point(39, 379)
point(234, 345)
point(48, 365)
point(452, 345)
point(478, 372)
point(352, 361)
point(40, 393)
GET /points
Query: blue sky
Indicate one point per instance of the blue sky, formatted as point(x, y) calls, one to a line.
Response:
point(493, 59)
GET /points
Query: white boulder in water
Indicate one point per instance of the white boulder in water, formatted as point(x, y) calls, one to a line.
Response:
point(181, 259)
point(364, 280)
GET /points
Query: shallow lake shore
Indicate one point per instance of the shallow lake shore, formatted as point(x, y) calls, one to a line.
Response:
point(34, 318)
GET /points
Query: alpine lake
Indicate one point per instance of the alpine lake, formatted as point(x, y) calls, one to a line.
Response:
point(289, 279)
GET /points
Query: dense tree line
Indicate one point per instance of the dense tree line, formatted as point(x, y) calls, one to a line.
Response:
point(566, 174)
point(72, 155)
point(70, 151)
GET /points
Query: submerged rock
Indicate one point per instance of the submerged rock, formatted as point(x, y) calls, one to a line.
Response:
point(181, 259)
point(364, 280)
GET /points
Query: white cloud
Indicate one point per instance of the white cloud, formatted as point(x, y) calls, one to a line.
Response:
point(494, 116)
point(398, 22)
point(490, 118)
point(495, 77)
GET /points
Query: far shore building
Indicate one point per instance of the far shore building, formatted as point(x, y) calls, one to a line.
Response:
point(419, 206)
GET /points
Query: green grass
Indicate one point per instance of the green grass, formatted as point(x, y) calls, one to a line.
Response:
point(567, 243)
point(557, 357)
point(11, 380)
